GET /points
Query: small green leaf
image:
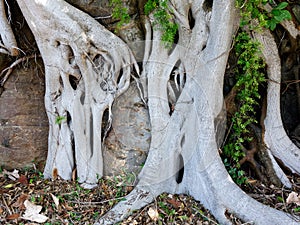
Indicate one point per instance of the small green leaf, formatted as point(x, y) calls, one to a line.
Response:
point(282, 5)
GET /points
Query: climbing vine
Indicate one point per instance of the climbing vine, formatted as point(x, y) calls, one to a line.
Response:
point(163, 20)
point(249, 75)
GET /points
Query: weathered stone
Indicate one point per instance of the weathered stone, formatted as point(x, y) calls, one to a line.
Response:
point(23, 121)
point(133, 35)
point(127, 144)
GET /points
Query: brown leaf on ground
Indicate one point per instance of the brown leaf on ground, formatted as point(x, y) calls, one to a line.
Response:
point(174, 203)
point(20, 202)
point(23, 180)
point(13, 216)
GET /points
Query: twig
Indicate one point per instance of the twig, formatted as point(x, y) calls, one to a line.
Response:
point(5, 203)
point(10, 69)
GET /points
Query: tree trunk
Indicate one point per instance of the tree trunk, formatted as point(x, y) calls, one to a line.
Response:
point(87, 67)
point(84, 74)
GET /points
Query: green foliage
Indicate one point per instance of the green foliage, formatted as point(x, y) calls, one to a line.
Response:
point(163, 20)
point(120, 12)
point(254, 9)
point(250, 74)
point(60, 119)
point(278, 14)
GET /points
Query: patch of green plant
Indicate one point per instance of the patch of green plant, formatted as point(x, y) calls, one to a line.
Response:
point(250, 74)
point(254, 9)
point(60, 119)
point(120, 12)
point(163, 20)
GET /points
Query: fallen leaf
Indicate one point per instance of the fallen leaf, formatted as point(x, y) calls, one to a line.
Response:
point(8, 186)
point(13, 216)
point(67, 207)
point(54, 174)
point(55, 199)
point(14, 175)
point(23, 180)
point(1, 210)
point(153, 214)
point(293, 198)
point(32, 213)
point(20, 202)
point(174, 202)
point(74, 175)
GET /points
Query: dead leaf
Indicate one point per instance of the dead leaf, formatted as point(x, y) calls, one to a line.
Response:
point(293, 198)
point(20, 202)
point(74, 175)
point(23, 180)
point(1, 210)
point(8, 186)
point(153, 214)
point(14, 175)
point(55, 199)
point(32, 213)
point(13, 216)
point(174, 203)
point(54, 174)
point(67, 207)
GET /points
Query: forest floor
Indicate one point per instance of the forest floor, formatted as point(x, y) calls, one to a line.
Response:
point(66, 202)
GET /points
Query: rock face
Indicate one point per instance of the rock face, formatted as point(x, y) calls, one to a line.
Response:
point(127, 144)
point(23, 121)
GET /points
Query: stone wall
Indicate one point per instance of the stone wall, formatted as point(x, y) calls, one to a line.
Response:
point(23, 121)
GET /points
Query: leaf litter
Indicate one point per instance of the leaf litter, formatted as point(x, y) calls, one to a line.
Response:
point(31, 199)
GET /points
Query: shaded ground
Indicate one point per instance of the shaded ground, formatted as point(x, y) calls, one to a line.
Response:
point(80, 206)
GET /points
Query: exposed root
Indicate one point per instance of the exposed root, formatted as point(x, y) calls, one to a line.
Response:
point(8, 43)
point(275, 137)
point(4, 75)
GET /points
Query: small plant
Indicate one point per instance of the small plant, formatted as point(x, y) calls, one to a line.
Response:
point(254, 9)
point(60, 119)
point(163, 20)
point(120, 12)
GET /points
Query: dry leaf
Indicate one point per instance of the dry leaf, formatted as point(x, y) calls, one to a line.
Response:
point(153, 214)
point(14, 175)
point(32, 213)
point(67, 207)
point(13, 216)
point(74, 175)
point(55, 199)
point(23, 180)
point(1, 210)
point(174, 203)
point(20, 202)
point(293, 198)
point(54, 174)
point(9, 186)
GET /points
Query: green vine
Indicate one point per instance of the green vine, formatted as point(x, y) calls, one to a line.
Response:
point(250, 74)
point(163, 20)
point(120, 12)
